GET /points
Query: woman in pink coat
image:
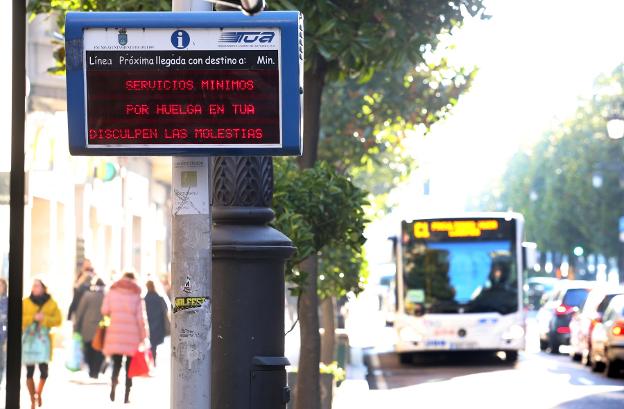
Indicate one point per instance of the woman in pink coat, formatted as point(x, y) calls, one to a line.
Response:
point(124, 305)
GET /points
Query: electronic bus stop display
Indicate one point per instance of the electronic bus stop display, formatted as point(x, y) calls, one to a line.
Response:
point(184, 83)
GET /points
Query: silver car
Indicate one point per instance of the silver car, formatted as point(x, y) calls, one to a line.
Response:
point(584, 321)
point(608, 339)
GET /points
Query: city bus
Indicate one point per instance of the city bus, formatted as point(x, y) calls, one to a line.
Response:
point(459, 285)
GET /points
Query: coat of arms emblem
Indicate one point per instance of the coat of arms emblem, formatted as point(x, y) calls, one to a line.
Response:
point(122, 37)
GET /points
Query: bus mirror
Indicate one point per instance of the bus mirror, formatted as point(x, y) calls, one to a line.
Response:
point(529, 254)
point(394, 240)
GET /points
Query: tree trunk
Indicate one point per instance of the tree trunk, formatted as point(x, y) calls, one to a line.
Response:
point(313, 83)
point(307, 392)
point(328, 323)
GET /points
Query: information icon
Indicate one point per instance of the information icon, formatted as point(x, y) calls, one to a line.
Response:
point(180, 39)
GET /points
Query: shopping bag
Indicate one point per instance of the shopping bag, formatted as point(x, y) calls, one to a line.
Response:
point(141, 363)
point(35, 345)
point(74, 356)
point(97, 342)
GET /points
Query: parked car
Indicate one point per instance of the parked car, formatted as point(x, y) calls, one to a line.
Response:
point(584, 321)
point(608, 339)
point(536, 288)
point(553, 318)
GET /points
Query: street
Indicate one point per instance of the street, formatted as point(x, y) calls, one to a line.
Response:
point(376, 379)
point(538, 380)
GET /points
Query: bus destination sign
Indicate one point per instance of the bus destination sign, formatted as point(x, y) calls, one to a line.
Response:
point(184, 89)
point(445, 229)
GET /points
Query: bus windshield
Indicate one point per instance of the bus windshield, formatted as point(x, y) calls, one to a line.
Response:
point(450, 277)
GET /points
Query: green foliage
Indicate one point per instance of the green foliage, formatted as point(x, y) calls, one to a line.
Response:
point(322, 212)
point(552, 183)
point(366, 137)
point(359, 37)
point(59, 8)
point(342, 267)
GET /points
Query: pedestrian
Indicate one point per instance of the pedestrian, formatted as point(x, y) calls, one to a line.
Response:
point(81, 286)
point(40, 314)
point(125, 307)
point(4, 314)
point(88, 317)
point(157, 317)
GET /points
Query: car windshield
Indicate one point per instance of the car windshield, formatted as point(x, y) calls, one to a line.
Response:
point(605, 303)
point(575, 297)
point(452, 277)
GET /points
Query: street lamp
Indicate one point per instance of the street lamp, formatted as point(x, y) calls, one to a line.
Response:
point(615, 126)
point(615, 121)
point(597, 180)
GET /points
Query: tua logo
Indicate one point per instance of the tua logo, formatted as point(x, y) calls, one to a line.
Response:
point(248, 37)
point(180, 39)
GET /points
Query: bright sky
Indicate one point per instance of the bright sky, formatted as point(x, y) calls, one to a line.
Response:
point(535, 58)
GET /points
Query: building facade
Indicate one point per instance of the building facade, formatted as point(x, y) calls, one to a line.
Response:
point(113, 210)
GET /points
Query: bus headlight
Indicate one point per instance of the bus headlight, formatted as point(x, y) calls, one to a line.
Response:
point(408, 334)
point(513, 332)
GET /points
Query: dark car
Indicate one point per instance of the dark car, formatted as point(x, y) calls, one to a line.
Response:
point(554, 317)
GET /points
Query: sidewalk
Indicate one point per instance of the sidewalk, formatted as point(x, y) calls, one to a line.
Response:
point(367, 331)
point(75, 390)
point(353, 392)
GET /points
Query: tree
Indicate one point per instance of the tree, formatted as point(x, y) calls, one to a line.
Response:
point(356, 39)
point(322, 211)
point(552, 184)
point(365, 126)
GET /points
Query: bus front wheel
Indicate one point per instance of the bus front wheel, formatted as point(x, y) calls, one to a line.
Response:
point(406, 358)
point(511, 357)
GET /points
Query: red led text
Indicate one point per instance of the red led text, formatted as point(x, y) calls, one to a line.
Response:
point(159, 85)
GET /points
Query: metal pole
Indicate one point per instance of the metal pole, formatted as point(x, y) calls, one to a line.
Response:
point(248, 288)
point(191, 273)
point(17, 191)
point(248, 283)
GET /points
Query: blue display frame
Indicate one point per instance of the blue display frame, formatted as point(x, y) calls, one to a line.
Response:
point(291, 72)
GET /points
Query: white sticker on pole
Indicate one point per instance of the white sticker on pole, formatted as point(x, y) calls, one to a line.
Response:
point(190, 186)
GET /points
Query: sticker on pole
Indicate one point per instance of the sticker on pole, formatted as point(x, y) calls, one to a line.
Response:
point(187, 303)
point(190, 186)
point(184, 83)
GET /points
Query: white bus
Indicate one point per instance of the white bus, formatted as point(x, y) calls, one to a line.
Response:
point(459, 285)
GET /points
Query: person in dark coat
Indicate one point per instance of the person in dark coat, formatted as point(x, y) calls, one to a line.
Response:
point(81, 286)
point(157, 317)
point(501, 295)
point(88, 316)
